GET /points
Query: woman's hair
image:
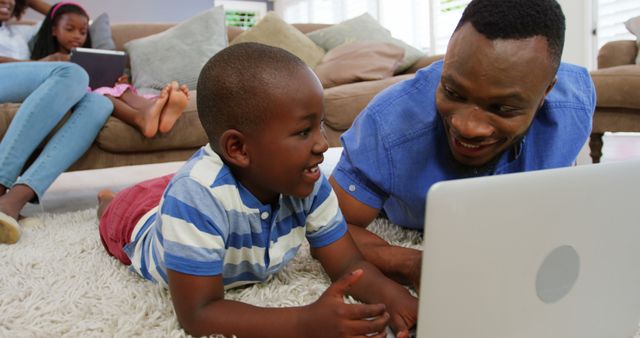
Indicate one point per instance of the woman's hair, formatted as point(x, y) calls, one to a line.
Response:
point(19, 8)
point(46, 44)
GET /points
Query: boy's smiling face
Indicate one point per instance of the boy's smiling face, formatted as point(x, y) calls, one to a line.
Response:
point(285, 151)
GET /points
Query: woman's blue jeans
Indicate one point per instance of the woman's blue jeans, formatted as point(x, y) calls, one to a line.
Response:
point(47, 90)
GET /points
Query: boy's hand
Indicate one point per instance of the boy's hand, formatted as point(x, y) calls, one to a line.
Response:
point(329, 316)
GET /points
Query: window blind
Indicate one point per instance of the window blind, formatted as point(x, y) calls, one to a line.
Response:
point(611, 17)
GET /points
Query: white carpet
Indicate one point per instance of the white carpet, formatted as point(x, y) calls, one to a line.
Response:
point(58, 281)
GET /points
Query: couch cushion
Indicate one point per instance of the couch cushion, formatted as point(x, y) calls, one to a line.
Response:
point(618, 86)
point(343, 103)
point(359, 61)
point(100, 31)
point(362, 28)
point(117, 136)
point(273, 31)
point(633, 25)
point(179, 53)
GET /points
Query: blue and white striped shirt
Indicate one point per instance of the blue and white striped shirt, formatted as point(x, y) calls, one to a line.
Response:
point(208, 224)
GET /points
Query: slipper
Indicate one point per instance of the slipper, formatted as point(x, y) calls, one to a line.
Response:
point(9, 229)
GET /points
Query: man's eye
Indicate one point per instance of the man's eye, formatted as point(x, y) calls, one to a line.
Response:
point(502, 109)
point(450, 93)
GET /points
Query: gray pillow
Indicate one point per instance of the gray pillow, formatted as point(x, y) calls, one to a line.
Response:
point(179, 53)
point(100, 31)
point(363, 28)
point(633, 25)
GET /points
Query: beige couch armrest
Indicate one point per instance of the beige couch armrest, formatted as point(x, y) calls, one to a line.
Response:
point(343, 103)
point(617, 53)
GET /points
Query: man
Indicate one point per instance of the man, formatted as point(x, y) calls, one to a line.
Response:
point(500, 102)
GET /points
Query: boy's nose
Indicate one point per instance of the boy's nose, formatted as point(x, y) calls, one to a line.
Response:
point(321, 145)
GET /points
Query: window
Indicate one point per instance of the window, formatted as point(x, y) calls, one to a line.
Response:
point(408, 20)
point(611, 17)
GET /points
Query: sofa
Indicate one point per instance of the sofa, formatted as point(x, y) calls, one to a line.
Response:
point(617, 83)
point(119, 144)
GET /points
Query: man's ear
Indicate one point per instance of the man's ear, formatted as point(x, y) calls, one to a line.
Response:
point(553, 83)
point(233, 146)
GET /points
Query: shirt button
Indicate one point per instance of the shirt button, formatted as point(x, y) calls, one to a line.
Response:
point(352, 188)
point(264, 215)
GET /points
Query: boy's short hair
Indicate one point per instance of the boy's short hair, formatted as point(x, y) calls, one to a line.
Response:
point(518, 19)
point(235, 87)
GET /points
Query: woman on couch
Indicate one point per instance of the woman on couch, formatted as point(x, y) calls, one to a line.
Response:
point(47, 91)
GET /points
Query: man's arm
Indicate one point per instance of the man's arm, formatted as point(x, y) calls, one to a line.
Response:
point(401, 264)
point(202, 310)
point(342, 256)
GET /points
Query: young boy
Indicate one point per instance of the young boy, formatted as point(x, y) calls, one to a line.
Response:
point(240, 208)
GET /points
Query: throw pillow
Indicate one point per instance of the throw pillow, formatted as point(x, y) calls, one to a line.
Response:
point(362, 28)
point(359, 61)
point(273, 31)
point(100, 31)
point(633, 25)
point(179, 53)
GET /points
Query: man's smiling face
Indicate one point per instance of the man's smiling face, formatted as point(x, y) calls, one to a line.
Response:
point(490, 91)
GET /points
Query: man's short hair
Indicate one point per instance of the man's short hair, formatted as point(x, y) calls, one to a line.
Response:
point(518, 19)
point(237, 84)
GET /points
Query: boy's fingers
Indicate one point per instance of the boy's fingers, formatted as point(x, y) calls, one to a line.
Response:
point(399, 327)
point(342, 285)
point(364, 311)
point(368, 326)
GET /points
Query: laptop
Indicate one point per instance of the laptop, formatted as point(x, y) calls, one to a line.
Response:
point(544, 254)
point(103, 66)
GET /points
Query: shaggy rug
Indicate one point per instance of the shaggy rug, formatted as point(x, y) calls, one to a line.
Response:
point(58, 281)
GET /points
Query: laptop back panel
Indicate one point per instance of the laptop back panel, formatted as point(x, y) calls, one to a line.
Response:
point(553, 253)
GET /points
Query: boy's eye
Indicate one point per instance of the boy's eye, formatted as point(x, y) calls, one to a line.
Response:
point(305, 132)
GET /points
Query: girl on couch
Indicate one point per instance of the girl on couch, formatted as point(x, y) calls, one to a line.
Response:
point(66, 27)
point(47, 91)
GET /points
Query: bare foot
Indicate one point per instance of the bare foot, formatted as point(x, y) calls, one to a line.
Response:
point(105, 196)
point(151, 116)
point(178, 100)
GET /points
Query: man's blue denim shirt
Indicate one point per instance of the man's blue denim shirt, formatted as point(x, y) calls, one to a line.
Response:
point(397, 147)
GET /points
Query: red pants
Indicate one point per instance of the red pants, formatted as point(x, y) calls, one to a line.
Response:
point(125, 210)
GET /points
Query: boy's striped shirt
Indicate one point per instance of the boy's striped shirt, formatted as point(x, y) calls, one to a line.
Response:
point(208, 224)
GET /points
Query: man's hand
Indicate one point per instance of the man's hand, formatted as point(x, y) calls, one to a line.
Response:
point(329, 316)
point(56, 57)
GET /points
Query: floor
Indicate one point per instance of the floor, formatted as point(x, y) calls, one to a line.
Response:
point(77, 190)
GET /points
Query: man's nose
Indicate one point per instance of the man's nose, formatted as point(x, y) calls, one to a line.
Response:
point(471, 122)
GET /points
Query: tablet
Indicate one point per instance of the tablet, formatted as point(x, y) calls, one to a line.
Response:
point(103, 66)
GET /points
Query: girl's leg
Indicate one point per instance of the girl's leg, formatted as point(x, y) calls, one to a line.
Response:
point(47, 91)
point(178, 100)
point(140, 112)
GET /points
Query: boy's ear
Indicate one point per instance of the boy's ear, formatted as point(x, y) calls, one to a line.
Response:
point(234, 148)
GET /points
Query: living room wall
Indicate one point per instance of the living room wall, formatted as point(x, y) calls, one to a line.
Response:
point(139, 10)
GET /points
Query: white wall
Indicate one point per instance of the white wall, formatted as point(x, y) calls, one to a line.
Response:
point(139, 10)
point(579, 43)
